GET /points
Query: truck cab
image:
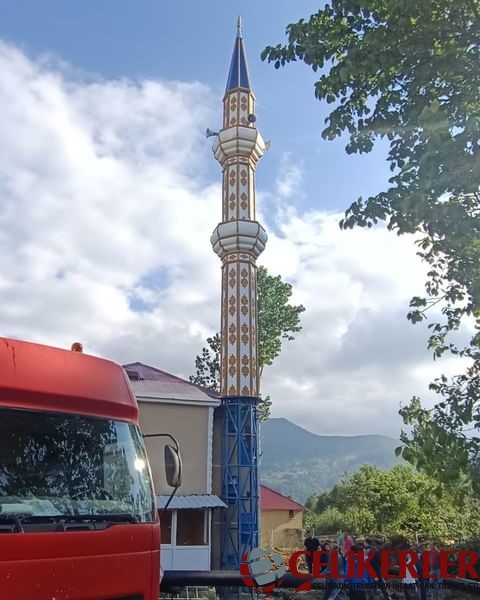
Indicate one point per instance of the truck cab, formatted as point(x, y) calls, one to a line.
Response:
point(78, 518)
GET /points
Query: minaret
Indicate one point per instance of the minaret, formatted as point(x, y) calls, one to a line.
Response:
point(238, 241)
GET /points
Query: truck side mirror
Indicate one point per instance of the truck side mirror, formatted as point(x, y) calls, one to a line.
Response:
point(173, 461)
point(173, 466)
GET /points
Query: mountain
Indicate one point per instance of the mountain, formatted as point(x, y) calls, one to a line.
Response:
point(299, 463)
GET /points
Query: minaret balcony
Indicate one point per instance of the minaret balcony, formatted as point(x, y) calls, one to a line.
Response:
point(239, 236)
point(238, 142)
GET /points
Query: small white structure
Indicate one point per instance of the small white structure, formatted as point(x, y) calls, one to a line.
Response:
point(186, 531)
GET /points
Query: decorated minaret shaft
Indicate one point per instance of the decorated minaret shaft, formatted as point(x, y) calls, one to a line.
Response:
point(239, 238)
point(238, 241)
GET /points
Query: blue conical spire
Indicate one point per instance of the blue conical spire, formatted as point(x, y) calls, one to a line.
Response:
point(238, 75)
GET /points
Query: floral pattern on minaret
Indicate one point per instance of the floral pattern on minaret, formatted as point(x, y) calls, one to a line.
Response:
point(239, 239)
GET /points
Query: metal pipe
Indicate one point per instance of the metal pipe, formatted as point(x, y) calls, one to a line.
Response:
point(218, 578)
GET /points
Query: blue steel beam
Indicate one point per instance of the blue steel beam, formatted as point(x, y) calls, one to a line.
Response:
point(240, 479)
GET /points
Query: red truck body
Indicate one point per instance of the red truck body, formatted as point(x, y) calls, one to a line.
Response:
point(78, 519)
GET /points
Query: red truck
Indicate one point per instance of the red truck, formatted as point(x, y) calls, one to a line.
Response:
point(78, 517)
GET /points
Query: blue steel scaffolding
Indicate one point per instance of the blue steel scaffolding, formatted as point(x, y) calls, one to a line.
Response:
point(240, 478)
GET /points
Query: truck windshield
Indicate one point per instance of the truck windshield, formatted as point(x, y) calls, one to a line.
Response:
point(69, 465)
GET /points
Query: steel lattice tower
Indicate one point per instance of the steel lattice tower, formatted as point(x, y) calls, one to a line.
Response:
point(238, 241)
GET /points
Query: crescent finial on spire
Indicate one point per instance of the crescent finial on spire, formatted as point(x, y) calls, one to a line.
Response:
point(239, 26)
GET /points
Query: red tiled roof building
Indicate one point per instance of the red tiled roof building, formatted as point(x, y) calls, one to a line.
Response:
point(281, 520)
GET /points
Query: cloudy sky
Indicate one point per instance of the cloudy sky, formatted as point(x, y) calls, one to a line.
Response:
point(109, 194)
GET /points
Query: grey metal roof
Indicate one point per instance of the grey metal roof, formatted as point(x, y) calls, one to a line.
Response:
point(160, 390)
point(191, 501)
point(138, 370)
point(153, 384)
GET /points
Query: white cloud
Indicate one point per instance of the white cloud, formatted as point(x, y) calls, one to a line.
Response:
point(358, 358)
point(289, 179)
point(106, 211)
point(96, 194)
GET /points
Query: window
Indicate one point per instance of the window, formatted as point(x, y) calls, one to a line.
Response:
point(59, 465)
point(290, 514)
point(185, 527)
point(191, 527)
point(166, 527)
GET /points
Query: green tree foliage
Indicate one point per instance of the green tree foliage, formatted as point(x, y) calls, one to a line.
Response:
point(330, 521)
point(398, 501)
point(407, 72)
point(278, 320)
point(207, 365)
